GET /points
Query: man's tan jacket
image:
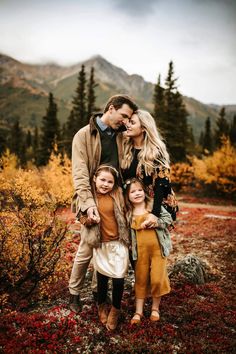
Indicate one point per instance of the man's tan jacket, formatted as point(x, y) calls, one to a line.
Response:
point(86, 155)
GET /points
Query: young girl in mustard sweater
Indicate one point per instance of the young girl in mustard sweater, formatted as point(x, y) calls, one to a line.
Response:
point(111, 235)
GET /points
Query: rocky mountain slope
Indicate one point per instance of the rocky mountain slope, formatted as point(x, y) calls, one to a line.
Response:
point(24, 89)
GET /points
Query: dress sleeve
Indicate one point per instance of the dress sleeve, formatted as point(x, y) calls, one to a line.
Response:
point(161, 189)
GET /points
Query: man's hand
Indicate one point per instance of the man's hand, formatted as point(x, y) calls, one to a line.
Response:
point(93, 216)
point(150, 222)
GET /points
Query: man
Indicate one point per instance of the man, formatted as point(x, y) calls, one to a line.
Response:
point(95, 144)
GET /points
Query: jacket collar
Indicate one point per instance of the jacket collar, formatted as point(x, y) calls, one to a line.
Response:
point(92, 123)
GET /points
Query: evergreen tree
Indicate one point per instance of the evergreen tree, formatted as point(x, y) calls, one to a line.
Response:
point(28, 139)
point(71, 125)
point(207, 137)
point(70, 128)
point(172, 119)
point(182, 138)
point(36, 139)
point(159, 104)
point(17, 142)
point(83, 107)
point(91, 98)
point(201, 139)
point(79, 101)
point(50, 131)
point(3, 140)
point(232, 132)
point(222, 127)
point(168, 123)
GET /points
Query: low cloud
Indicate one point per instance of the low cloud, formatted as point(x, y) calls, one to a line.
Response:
point(136, 7)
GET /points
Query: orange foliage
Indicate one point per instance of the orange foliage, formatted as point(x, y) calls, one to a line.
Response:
point(218, 172)
point(211, 174)
point(182, 176)
point(31, 236)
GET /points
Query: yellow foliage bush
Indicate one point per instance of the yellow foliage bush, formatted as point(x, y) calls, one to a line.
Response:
point(31, 246)
point(211, 174)
point(182, 176)
point(57, 181)
point(50, 185)
point(32, 237)
point(218, 172)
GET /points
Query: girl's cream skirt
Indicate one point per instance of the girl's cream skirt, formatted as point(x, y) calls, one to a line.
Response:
point(111, 259)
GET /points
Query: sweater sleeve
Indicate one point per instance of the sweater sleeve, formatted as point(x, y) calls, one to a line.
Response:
point(161, 189)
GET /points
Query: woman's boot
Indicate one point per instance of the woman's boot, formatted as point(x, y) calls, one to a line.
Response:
point(112, 318)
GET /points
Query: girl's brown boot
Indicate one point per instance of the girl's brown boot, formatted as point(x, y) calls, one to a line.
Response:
point(103, 313)
point(112, 319)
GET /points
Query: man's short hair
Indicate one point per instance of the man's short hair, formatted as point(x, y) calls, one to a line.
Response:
point(118, 100)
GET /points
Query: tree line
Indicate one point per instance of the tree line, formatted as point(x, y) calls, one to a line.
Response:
point(169, 113)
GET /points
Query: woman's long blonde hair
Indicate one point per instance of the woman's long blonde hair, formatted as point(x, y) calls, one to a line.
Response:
point(153, 154)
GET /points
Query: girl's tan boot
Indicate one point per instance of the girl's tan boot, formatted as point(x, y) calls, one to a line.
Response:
point(103, 313)
point(112, 319)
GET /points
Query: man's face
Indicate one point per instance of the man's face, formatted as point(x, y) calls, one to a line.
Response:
point(119, 117)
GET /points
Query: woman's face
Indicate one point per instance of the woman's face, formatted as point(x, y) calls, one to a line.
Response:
point(134, 128)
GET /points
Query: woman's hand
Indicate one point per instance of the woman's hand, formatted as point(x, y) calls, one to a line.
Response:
point(150, 222)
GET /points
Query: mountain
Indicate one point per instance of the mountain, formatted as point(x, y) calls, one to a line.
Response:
point(24, 89)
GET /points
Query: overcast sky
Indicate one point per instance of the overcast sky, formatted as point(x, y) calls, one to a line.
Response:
point(140, 36)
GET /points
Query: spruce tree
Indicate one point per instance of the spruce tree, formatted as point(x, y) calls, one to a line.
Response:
point(207, 137)
point(222, 127)
point(159, 104)
point(91, 97)
point(17, 142)
point(183, 139)
point(28, 139)
point(168, 124)
point(50, 131)
point(79, 101)
point(83, 107)
point(201, 139)
point(232, 132)
point(71, 126)
point(3, 140)
point(35, 140)
point(172, 119)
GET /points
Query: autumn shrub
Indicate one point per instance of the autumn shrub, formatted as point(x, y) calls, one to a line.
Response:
point(32, 236)
point(56, 179)
point(51, 184)
point(182, 176)
point(217, 173)
point(30, 249)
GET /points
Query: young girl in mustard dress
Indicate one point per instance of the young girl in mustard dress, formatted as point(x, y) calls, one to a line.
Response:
point(150, 247)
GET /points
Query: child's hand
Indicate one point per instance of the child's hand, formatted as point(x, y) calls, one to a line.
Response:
point(150, 222)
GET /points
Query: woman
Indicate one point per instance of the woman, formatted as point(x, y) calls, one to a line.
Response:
point(145, 156)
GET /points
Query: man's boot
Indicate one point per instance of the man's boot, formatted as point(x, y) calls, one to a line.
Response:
point(75, 304)
point(112, 319)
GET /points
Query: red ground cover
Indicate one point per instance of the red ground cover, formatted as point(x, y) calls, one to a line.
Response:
point(194, 318)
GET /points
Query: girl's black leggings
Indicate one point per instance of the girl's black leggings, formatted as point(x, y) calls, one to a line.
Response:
point(117, 289)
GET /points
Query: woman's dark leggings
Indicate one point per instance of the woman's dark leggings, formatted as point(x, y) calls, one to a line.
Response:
point(117, 289)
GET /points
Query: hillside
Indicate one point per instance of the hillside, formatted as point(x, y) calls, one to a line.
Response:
point(24, 89)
